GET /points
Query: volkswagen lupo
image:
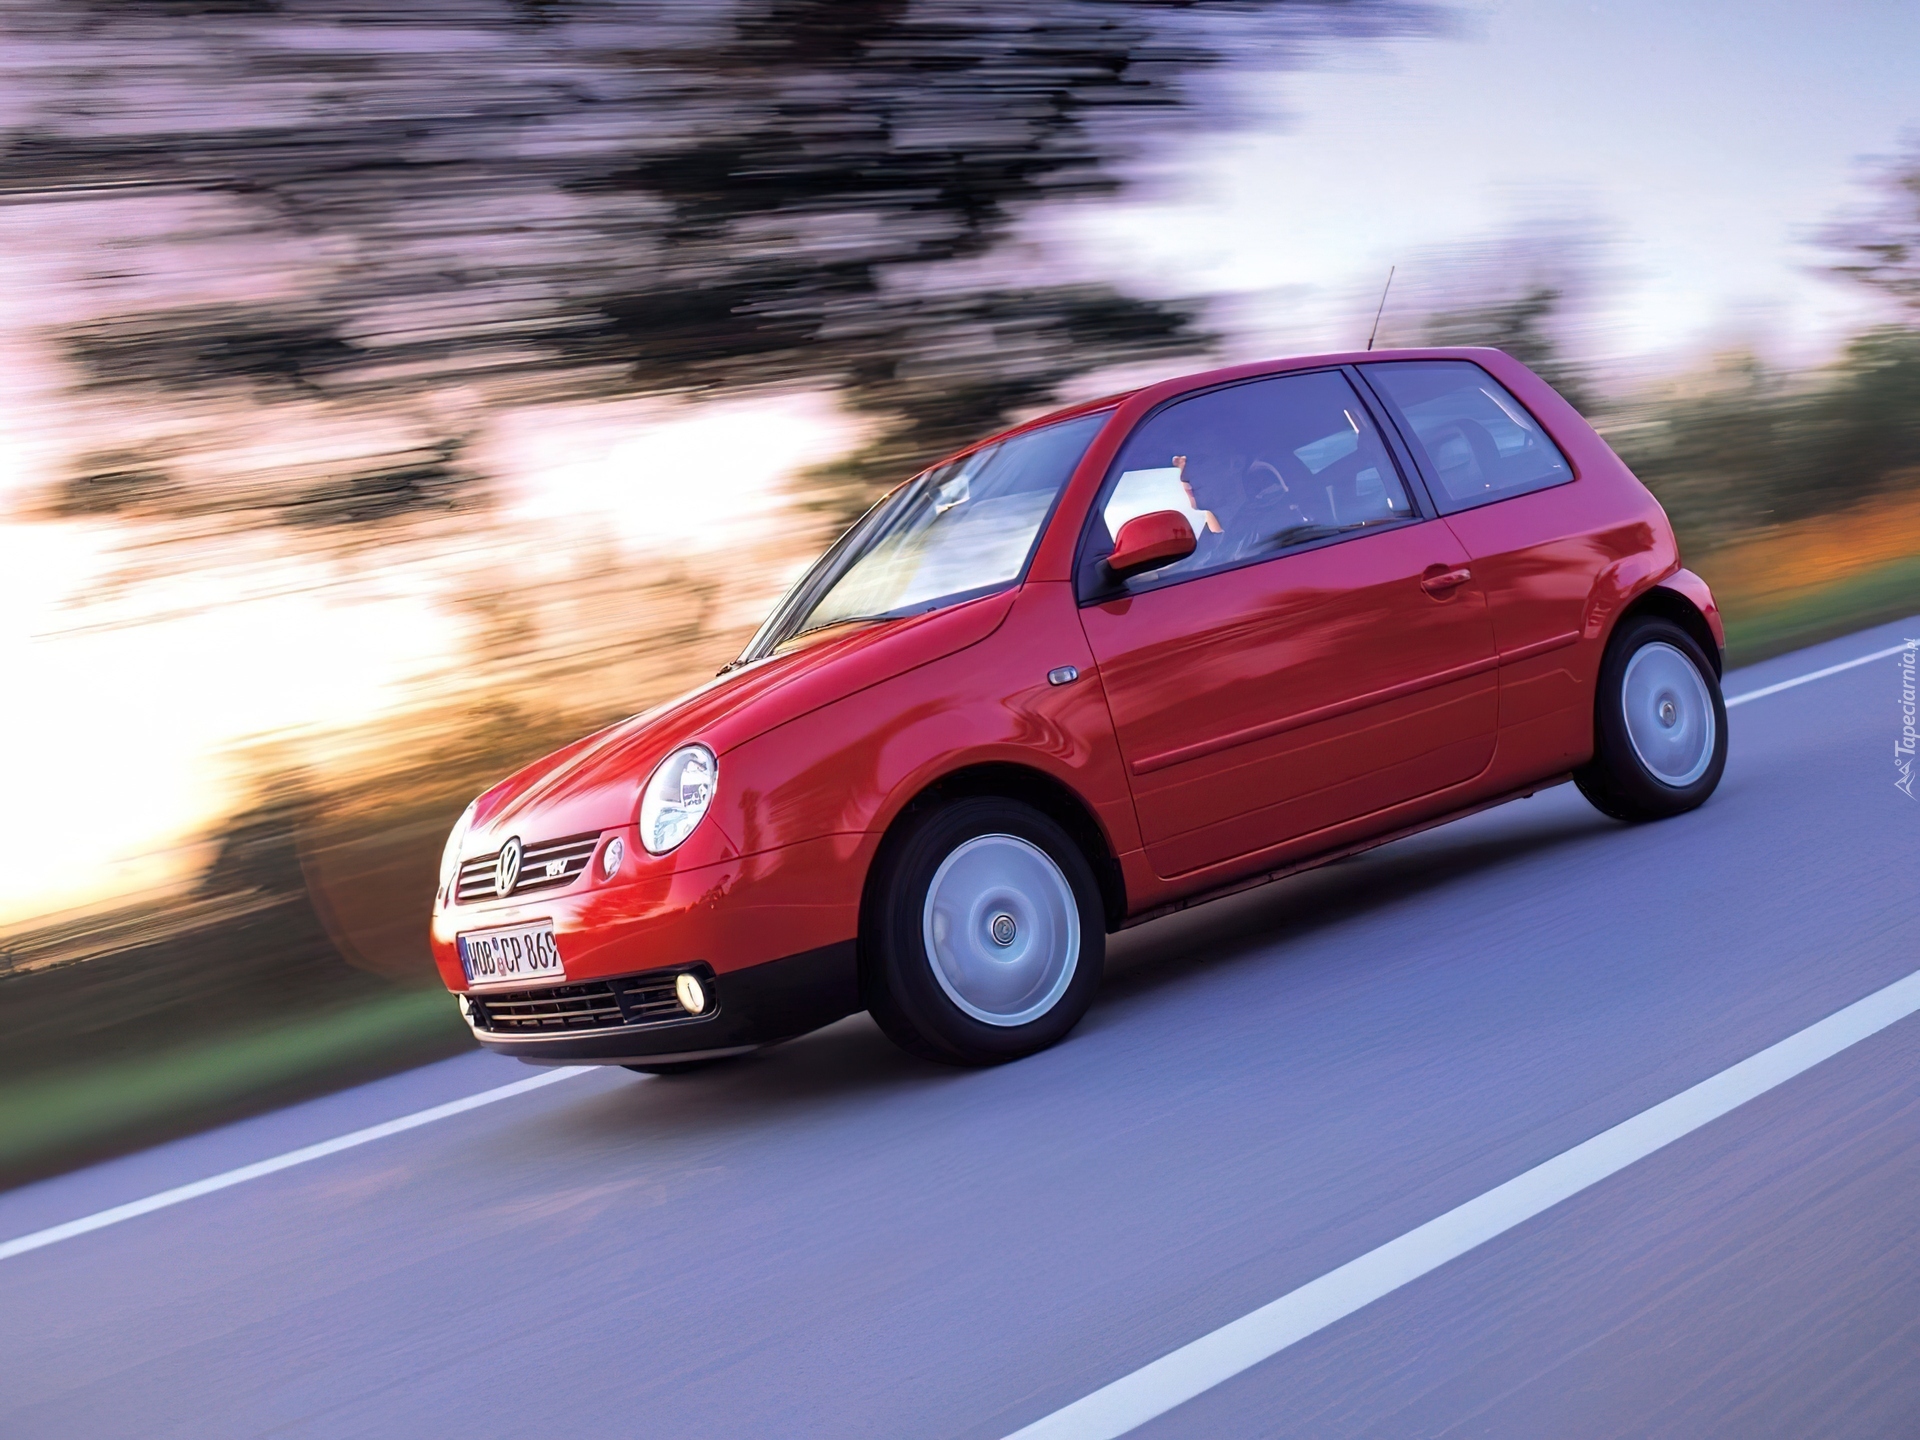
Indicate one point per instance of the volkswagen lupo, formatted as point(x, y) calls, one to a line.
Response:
point(1119, 660)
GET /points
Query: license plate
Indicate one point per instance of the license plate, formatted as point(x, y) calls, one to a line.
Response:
point(511, 956)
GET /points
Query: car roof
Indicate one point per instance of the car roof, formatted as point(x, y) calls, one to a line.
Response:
point(1200, 379)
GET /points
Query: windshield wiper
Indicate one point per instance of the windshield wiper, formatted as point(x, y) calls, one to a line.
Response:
point(836, 624)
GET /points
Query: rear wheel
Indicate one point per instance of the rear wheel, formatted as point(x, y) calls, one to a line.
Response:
point(1660, 724)
point(983, 935)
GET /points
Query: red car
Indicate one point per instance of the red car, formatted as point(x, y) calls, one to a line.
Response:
point(1122, 659)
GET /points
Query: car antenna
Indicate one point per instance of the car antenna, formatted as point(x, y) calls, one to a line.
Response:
point(1383, 305)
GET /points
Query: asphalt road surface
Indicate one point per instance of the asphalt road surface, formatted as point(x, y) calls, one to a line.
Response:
point(832, 1239)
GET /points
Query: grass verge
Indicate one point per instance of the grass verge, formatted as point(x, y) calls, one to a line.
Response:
point(62, 1118)
point(1759, 631)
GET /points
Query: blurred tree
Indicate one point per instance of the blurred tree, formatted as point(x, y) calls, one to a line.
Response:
point(1880, 246)
point(1748, 447)
point(1721, 450)
point(1529, 293)
point(1868, 418)
point(1520, 325)
point(493, 200)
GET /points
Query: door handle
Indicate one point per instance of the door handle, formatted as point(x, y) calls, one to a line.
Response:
point(1444, 582)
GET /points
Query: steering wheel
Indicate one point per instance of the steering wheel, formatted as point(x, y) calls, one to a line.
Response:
point(1272, 470)
point(1261, 515)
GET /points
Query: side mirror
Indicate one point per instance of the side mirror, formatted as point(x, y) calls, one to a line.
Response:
point(1147, 542)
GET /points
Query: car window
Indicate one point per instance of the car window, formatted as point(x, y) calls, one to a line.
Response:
point(1258, 469)
point(958, 530)
point(1480, 443)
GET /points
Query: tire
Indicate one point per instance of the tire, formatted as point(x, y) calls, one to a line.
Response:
point(983, 936)
point(1660, 724)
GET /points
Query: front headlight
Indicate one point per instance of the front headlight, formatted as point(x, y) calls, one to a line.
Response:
point(677, 795)
point(450, 857)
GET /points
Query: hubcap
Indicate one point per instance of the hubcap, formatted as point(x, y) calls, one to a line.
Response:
point(1669, 714)
point(1002, 929)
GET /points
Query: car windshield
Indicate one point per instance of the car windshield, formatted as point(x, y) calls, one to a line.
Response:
point(952, 533)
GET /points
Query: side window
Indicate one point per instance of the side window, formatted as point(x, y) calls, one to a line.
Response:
point(1257, 469)
point(1480, 443)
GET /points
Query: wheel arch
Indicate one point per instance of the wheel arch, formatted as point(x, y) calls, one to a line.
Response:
point(1670, 604)
point(1050, 796)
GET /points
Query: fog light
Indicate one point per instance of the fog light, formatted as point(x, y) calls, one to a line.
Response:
point(466, 1008)
point(611, 857)
point(691, 994)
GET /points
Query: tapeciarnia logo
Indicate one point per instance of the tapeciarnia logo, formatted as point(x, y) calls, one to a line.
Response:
point(1903, 748)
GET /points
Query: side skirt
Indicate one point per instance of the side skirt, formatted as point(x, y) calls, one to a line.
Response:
point(1327, 857)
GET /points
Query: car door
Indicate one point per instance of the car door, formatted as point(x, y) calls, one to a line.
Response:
point(1323, 654)
point(1495, 474)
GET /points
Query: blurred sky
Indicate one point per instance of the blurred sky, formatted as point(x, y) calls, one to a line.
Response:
point(1702, 144)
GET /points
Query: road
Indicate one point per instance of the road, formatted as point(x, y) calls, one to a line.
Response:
point(832, 1239)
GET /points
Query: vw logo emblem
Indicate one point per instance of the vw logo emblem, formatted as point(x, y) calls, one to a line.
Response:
point(506, 870)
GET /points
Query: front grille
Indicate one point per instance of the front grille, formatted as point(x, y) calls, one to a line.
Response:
point(633, 1002)
point(545, 866)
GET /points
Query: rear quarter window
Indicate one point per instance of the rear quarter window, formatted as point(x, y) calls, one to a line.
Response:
point(1477, 443)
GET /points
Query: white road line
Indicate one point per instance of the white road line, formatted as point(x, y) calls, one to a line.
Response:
point(1154, 1389)
point(1734, 700)
point(99, 1220)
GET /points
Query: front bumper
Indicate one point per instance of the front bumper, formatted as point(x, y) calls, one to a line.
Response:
point(613, 1021)
point(660, 911)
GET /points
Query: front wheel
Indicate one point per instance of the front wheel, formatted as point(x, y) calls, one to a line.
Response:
point(983, 935)
point(1660, 724)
